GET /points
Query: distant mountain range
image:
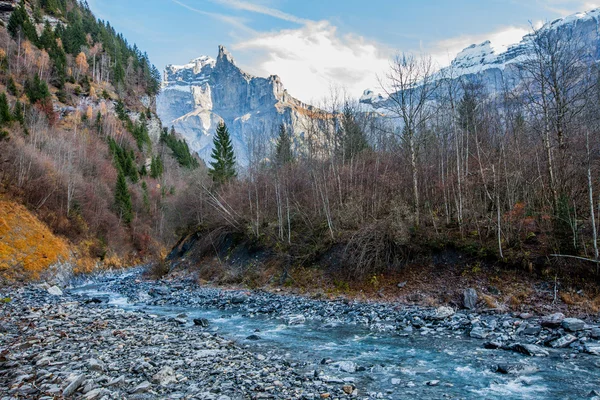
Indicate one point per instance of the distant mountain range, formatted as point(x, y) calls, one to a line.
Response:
point(196, 96)
point(496, 71)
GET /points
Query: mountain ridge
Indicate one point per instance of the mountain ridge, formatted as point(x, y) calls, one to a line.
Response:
point(198, 95)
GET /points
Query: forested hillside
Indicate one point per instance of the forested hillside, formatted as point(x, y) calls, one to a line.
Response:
point(81, 146)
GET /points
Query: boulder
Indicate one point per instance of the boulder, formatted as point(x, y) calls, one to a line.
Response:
point(470, 299)
point(529, 350)
point(478, 333)
point(593, 349)
point(508, 368)
point(443, 312)
point(142, 387)
point(238, 299)
point(573, 324)
point(165, 376)
point(202, 322)
point(73, 386)
point(552, 320)
point(95, 365)
point(296, 320)
point(55, 291)
point(346, 366)
point(563, 341)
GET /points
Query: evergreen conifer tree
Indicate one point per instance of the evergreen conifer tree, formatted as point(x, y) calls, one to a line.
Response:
point(222, 168)
point(11, 86)
point(18, 112)
point(123, 198)
point(283, 148)
point(5, 115)
point(354, 140)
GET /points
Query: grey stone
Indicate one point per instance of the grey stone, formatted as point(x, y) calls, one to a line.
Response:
point(592, 348)
point(142, 387)
point(443, 312)
point(296, 320)
point(470, 299)
point(530, 350)
point(55, 291)
point(563, 341)
point(346, 366)
point(478, 333)
point(552, 320)
point(573, 324)
point(73, 386)
point(165, 376)
point(95, 365)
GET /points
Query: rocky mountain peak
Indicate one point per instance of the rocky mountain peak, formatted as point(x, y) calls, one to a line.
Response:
point(200, 94)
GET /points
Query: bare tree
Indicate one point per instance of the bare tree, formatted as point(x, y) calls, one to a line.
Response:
point(410, 87)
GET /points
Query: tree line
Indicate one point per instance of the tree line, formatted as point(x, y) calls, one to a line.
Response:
point(507, 172)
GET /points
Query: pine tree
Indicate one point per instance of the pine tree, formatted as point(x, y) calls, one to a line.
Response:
point(11, 87)
point(5, 116)
point(18, 112)
point(354, 140)
point(283, 148)
point(222, 169)
point(19, 22)
point(123, 199)
point(156, 167)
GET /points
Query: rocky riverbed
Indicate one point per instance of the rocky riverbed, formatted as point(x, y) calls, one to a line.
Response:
point(123, 337)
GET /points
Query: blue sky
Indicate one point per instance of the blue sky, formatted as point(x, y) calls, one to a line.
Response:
point(316, 45)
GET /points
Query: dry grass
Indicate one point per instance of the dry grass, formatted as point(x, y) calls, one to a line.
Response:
point(27, 246)
point(489, 301)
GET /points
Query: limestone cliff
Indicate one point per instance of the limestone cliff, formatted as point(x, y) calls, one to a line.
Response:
point(200, 94)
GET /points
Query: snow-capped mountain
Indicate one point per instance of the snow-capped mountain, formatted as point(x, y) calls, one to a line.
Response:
point(196, 96)
point(481, 63)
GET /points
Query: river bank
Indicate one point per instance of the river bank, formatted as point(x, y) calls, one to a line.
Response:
point(126, 337)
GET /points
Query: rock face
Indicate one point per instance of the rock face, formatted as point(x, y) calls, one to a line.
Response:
point(197, 96)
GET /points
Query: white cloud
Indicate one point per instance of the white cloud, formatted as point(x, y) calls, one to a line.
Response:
point(567, 7)
point(260, 9)
point(314, 58)
point(233, 21)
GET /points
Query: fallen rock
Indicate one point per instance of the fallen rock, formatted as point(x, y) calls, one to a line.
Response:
point(142, 387)
point(552, 320)
point(443, 312)
point(346, 366)
point(165, 376)
point(508, 368)
point(348, 389)
point(55, 291)
point(95, 365)
point(478, 333)
point(73, 386)
point(470, 299)
point(529, 350)
point(563, 341)
point(573, 324)
point(593, 349)
point(202, 322)
point(296, 320)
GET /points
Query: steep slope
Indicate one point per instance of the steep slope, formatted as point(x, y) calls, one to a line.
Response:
point(200, 94)
point(86, 166)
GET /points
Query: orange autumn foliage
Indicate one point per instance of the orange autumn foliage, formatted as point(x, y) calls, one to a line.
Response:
point(27, 246)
